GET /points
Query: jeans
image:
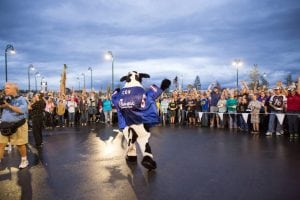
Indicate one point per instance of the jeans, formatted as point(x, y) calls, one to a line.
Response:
point(232, 119)
point(242, 124)
point(293, 121)
point(84, 117)
point(108, 116)
point(71, 117)
point(61, 120)
point(181, 116)
point(274, 124)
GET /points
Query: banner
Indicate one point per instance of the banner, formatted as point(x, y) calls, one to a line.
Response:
point(280, 118)
point(200, 115)
point(221, 116)
point(245, 117)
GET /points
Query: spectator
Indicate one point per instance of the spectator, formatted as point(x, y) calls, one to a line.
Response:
point(222, 109)
point(215, 96)
point(60, 111)
point(191, 107)
point(293, 109)
point(264, 118)
point(92, 102)
point(255, 107)
point(172, 109)
point(242, 108)
point(83, 110)
point(204, 108)
point(37, 108)
point(231, 107)
point(181, 103)
point(71, 105)
point(164, 110)
point(277, 105)
point(49, 112)
point(107, 109)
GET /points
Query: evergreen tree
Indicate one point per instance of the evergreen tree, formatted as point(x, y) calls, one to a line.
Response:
point(289, 79)
point(264, 81)
point(197, 83)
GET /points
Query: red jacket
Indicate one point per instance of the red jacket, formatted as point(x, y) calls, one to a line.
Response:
point(293, 102)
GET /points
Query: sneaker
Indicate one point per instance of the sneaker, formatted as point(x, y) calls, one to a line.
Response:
point(269, 133)
point(23, 164)
point(278, 133)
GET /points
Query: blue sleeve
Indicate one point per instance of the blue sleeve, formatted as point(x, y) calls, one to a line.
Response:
point(153, 92)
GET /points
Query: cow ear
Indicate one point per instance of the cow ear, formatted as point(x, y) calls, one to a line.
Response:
point(124, 78)
point(143, 75)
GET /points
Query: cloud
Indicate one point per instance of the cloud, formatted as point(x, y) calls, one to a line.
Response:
point(162, 38)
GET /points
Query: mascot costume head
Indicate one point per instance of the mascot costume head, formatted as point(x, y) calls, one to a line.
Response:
point(137, 112)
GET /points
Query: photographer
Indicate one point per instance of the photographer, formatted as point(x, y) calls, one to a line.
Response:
point(37, 108)
point(15, 109)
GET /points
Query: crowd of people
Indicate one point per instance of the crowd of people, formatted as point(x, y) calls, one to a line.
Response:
point(259, 111)
point(272, 111)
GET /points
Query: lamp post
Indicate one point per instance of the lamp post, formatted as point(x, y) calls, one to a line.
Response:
point(90, 69)
point(83, 74)
point(12, 51)
point(109, 56)
point(237, 63)
point(181, 82)
point(43, 84)
point(37, 74)
point(78, 83)
point(30, 67)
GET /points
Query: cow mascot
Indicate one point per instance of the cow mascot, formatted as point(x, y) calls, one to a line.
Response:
point(137, 112)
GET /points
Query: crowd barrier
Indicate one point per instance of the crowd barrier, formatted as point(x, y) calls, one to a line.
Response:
point(280, 116)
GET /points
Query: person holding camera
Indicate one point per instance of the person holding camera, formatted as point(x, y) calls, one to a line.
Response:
point(15, 109)
point(37, 108)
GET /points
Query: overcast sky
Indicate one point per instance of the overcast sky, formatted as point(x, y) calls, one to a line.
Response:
point(163, 38)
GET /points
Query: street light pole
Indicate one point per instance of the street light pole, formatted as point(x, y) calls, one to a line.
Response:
point(78, 83)
point(30, 67)
point(109, 56)
point(12, 50)
point(90, 69)
point(237, 63)
point(83, 74)
point(36, 74)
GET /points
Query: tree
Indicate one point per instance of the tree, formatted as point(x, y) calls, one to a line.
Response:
point(254, 77)
point(189, 86)
point(289, 79)
point(197, 83)
point(264, 81)
point(108, 89)
point(175, 82)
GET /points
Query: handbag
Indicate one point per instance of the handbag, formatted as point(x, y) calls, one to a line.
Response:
point(9, 128)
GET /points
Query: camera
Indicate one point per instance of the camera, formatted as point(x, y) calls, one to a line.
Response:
point(4, 98)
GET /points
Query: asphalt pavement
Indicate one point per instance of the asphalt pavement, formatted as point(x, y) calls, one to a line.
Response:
point(192, 163)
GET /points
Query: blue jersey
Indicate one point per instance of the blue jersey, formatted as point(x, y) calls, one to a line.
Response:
point(137, 106)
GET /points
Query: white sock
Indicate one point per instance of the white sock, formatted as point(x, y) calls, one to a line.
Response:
point(24, 158)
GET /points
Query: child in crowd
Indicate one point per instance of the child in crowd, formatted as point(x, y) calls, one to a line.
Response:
point(255, 107)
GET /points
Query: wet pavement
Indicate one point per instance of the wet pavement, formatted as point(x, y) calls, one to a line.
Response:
point(193, 163)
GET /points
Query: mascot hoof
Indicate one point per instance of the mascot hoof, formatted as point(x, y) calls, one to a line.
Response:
point(165, 84)
point(131, 159)
point(149, 163)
